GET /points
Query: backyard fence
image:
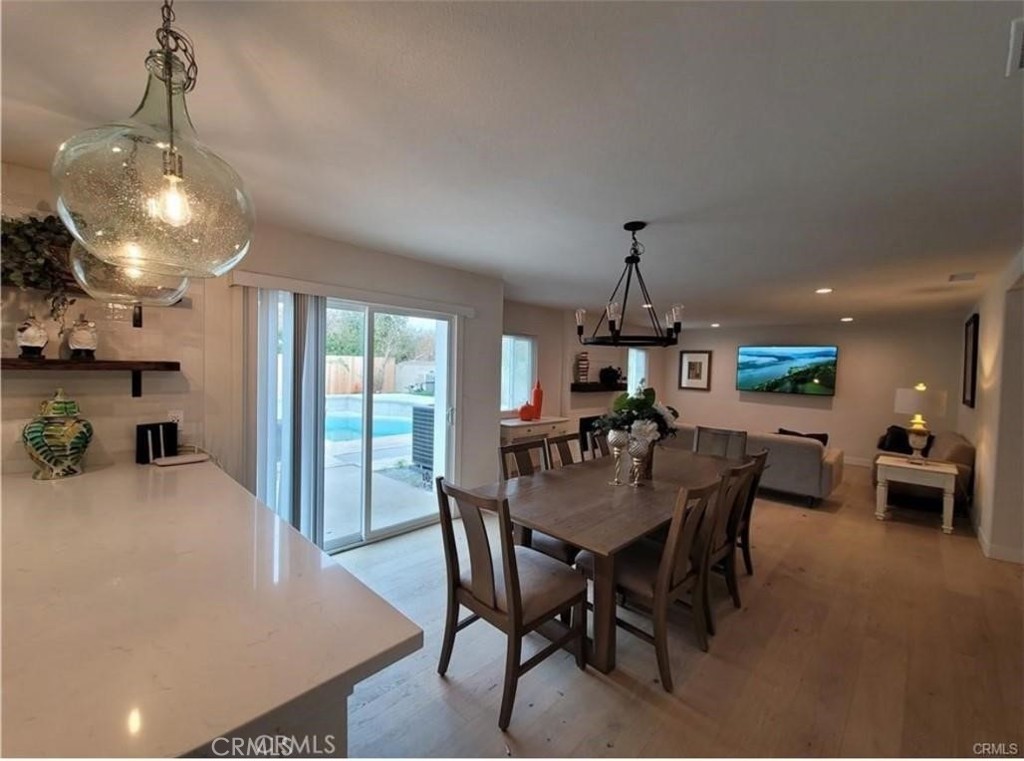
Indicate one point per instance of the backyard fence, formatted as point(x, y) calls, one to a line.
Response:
point(346, 375)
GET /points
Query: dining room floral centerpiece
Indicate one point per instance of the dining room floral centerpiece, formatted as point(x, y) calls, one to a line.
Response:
point(635, 424)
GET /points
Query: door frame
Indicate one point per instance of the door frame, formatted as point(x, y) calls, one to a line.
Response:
point(367, 534)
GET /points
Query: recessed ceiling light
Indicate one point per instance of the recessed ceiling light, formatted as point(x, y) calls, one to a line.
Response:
point(846, 319)
point(823, 291)
point(648, 306)
point(716, 324)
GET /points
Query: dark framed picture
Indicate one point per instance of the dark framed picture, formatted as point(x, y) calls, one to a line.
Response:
point(970, 382)
point(695, 370)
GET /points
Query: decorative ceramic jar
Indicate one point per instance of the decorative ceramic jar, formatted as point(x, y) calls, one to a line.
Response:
point(83, 338)
point(31, 338)
point(528, 412)
point(610, 376)
point(56, 439)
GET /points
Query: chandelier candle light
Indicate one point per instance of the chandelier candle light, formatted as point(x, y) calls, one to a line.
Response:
point(615, 312)
point(143, 193)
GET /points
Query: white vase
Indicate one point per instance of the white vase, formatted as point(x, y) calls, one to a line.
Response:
point(83, 339)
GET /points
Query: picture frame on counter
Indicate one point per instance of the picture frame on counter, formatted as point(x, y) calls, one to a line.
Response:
point(695, 370)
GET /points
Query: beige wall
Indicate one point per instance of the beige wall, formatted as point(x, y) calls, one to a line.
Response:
point(995, 424)
point(545, 326)
point(874, 360)
point(208, 340)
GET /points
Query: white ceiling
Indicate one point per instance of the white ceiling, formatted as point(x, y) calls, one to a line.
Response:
point(773, 147)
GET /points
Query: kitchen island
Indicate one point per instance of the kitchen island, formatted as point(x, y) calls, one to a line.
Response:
point(165, 611)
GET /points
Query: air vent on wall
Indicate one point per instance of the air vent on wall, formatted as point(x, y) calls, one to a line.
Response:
point(1015, 59)
point(962, 277)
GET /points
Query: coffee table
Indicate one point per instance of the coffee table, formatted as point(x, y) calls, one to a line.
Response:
point(938, 475)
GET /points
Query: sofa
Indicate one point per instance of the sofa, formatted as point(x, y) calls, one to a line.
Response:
point(947, 446)
point(796, 465)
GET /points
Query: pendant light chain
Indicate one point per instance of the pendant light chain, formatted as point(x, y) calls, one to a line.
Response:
point(173, 41)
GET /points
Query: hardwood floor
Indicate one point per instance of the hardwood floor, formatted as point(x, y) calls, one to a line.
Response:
point(857, 638)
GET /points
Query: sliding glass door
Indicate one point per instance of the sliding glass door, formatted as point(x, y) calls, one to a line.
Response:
point(344, 406)
point(387, 420)
point(352, 415)
point(408, 418)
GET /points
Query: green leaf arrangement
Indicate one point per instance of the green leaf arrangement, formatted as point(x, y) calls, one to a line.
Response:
point(643, 405)
point(35, 255)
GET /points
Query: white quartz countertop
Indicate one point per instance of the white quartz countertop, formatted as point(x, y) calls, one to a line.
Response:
point(147, 610)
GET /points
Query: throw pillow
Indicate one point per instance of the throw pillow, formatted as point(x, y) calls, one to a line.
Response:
point(895, 440)
point(822, 437)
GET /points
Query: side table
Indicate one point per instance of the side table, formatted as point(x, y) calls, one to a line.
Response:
point(939, 475)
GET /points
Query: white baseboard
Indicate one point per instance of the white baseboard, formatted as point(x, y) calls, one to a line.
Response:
point(995, 551)
point(860, 462)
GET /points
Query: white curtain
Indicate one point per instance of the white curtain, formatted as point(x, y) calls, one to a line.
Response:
point(290, 406)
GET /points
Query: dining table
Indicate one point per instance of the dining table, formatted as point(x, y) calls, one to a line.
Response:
point(578, 505)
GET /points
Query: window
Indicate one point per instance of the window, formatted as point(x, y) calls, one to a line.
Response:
point(518, 370)
point(636, 369)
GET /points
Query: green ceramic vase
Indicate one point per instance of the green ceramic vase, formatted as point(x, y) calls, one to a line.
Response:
point(56, 439)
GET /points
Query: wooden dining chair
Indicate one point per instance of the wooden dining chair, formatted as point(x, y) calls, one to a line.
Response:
point(731, 503)
point(651, 576)
point(560, 449)
point(742, 530)
point(722, 442)
point(597, 443)
point(515, 591)
point(517, 458)
point(520, 455)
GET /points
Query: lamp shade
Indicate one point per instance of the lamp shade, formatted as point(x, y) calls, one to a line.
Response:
point(123, 285)
point(926, 403)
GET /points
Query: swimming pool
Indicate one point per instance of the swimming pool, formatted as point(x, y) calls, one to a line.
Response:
point(342, 425)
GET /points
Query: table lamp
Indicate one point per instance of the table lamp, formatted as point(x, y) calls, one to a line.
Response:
point(918, 402)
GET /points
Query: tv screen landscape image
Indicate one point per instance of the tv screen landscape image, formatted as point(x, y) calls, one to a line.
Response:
point(787, 369)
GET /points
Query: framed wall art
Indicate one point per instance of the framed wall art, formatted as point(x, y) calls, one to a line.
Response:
point(970, 377)
point(695, 370)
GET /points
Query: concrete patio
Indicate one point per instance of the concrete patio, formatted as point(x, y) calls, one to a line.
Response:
point(394, 500)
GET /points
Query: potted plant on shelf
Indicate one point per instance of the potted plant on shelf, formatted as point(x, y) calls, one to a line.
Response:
point(635, 424)
point(36, 256)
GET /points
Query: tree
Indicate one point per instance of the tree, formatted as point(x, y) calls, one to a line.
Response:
point(394, 339)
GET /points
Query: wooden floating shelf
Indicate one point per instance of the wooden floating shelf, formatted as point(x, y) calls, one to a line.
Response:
point(134, 366)
point(596, 388)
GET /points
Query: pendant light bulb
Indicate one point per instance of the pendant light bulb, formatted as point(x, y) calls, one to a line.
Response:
point(171, 205)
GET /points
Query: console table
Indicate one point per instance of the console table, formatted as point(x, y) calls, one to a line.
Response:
point(938, 475)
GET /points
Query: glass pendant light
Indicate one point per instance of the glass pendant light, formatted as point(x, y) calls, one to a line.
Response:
point(123, 285)
point(144, 193)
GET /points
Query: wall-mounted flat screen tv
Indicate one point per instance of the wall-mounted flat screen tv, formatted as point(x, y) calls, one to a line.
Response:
point(787, 369)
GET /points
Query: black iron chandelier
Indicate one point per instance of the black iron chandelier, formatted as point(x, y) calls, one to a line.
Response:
point(613, 313)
